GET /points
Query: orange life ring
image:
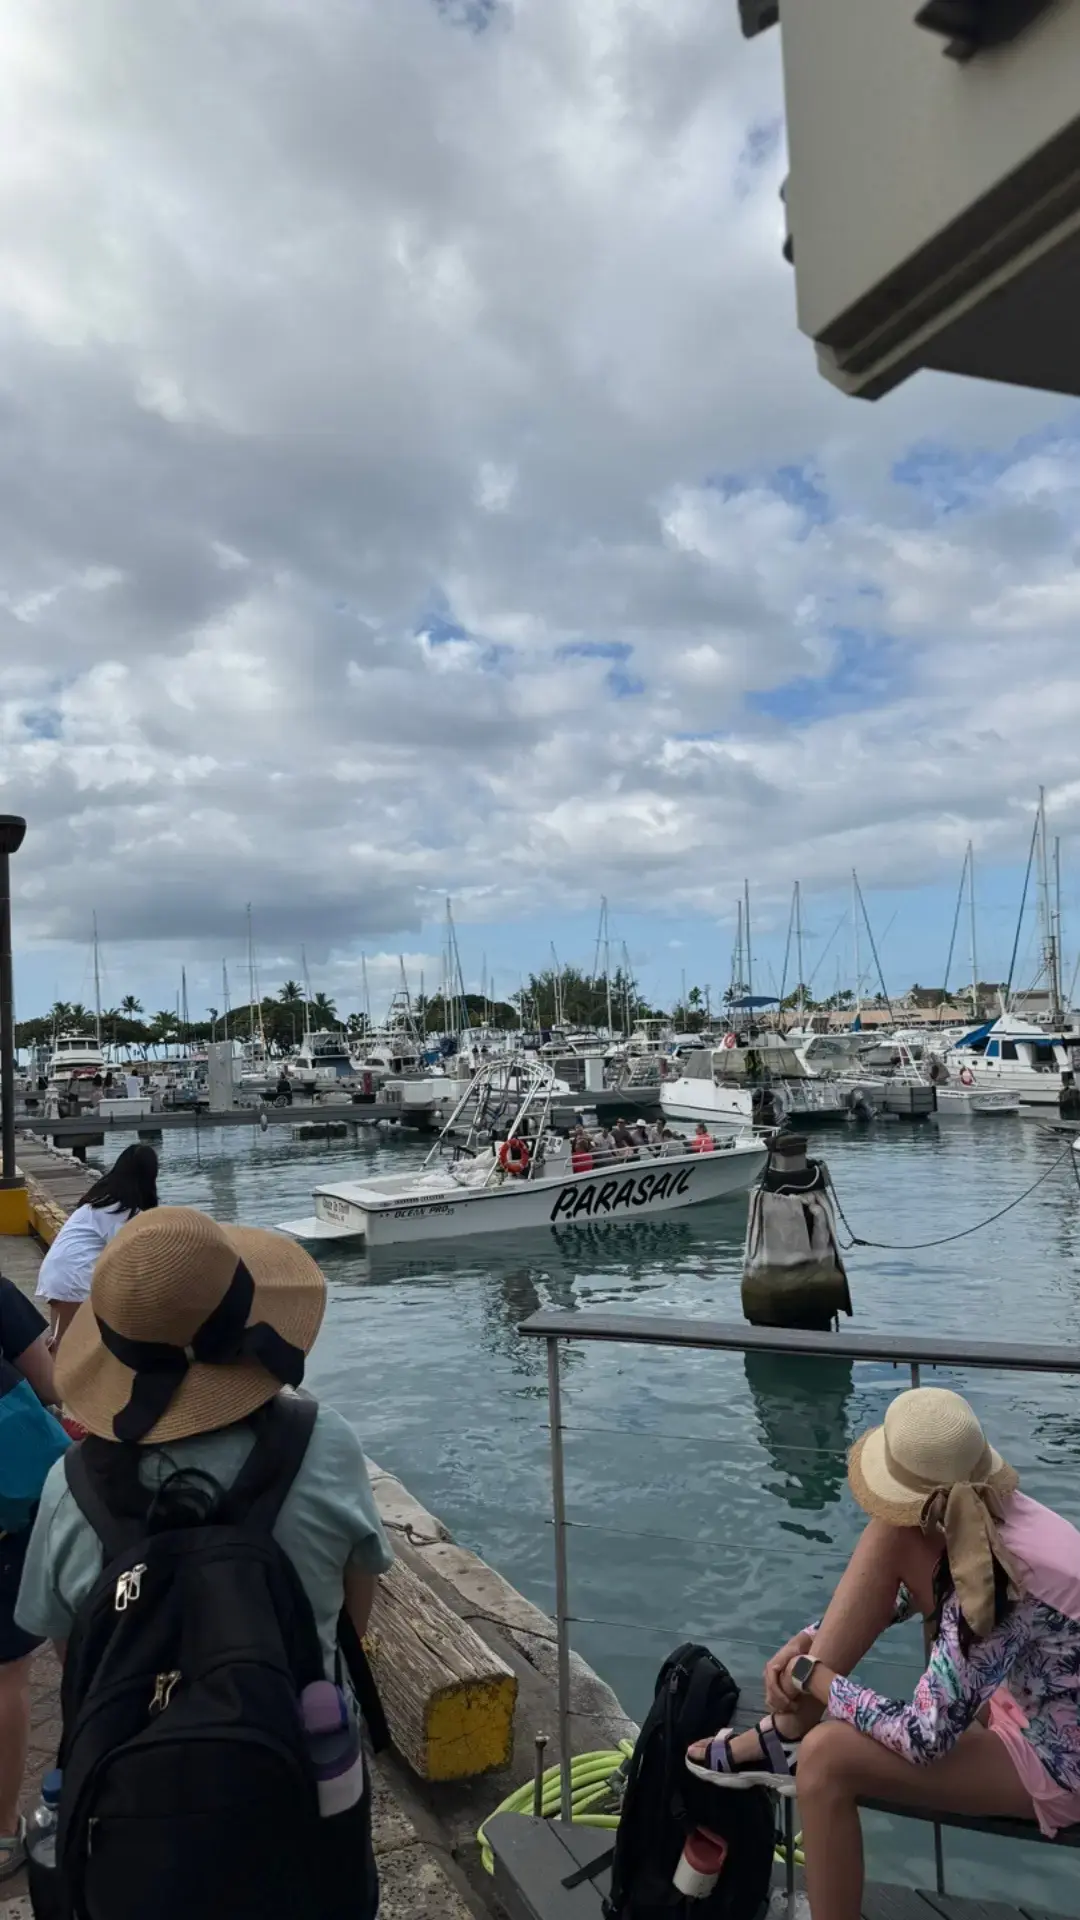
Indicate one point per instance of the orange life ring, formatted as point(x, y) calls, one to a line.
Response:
point(967, 1078)
point(514, 1156)
point(730, 1040)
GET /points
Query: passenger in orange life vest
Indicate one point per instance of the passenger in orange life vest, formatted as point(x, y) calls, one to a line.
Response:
point(702, 1141)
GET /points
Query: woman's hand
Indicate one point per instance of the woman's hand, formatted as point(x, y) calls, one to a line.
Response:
point(779, 1698)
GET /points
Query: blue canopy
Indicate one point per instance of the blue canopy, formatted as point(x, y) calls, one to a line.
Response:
point(977, 1033)
point(752, 1000)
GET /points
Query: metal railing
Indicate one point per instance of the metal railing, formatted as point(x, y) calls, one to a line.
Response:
point(737, 1337)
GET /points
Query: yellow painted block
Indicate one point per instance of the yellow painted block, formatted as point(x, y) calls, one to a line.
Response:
point(470, 1729)
point(14, 1210)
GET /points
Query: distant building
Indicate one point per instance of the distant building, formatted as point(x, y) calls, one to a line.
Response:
point(933, 201)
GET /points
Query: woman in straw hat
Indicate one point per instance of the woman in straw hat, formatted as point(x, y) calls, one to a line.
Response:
point(994, 1725)
point(190, 1329)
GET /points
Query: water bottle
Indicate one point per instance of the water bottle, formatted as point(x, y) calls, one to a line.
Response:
point(701, 1865)
point(333, 1737)
point(41, 1833)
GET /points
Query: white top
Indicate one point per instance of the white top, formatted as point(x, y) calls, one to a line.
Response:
point(68, 1267)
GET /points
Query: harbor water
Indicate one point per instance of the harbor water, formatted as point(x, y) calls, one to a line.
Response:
point(706, 1491)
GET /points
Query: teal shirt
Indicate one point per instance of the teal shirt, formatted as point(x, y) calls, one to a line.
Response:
point(329, 1521)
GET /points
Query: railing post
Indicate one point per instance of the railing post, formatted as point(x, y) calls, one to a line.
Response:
point(916, 1373)
point(562, 1590)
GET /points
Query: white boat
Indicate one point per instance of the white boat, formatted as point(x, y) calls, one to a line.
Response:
point(322, 1063)
point(825, 1052)
point(524, 1182)
point(1014, 1056)
point(76, 1053)
point(954, 1100)
point(759, 1083)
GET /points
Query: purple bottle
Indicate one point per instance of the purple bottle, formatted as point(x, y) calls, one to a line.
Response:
point(334, 1744)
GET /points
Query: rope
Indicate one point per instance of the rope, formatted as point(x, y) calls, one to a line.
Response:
point(919, 1246)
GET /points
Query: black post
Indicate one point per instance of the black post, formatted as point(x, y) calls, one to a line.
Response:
point(12, 829)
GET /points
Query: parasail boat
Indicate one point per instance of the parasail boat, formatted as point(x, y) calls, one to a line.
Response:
point(529, 1177)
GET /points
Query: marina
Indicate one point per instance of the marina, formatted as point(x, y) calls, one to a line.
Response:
point(711, 1489)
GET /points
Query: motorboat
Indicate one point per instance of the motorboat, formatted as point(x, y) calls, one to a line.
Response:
point(76, 1053)
point(529, 1178)
point(1014, 1056)
point(756, 1082)
point(323, 1063)
point(824, 1052)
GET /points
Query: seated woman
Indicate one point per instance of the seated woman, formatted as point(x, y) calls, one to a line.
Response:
point(994, 1725)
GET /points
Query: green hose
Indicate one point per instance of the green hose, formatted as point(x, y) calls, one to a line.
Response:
point(594, 1798)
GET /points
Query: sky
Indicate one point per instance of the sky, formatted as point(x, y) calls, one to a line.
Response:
point(413, 483)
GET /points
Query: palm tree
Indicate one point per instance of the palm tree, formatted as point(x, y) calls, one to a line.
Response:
point(79, 1015)
point(60, 1015)
point(324, 1011)
point(130, 1006)
point(292, 994)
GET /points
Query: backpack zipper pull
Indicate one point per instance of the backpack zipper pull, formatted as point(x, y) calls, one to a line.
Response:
point(163, 1690)
point(129, 1587)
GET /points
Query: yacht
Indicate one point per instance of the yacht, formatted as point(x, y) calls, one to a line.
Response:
point(322, 1062)
point(76, 1054)
point(1016, 1056)
point(757, 1082)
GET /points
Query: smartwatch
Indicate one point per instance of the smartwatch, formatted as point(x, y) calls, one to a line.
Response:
point(802, 1669)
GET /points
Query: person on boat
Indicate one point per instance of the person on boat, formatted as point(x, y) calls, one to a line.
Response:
point(640, 1134)
point(1069, 1097)
point(702, 1141)
point(605, 1142)
point(129, 1187)
point(623, 1138)
point(993, 1728)
point(938, 1071)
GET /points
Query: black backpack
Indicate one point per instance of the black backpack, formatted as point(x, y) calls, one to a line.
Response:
point(187, 1785)
point(663, 1803)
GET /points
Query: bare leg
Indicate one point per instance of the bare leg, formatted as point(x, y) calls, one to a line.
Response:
point(863, 1605)
point(838, 1766)
point(14, 1738)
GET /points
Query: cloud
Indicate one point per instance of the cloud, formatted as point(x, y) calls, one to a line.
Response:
point(412, 478)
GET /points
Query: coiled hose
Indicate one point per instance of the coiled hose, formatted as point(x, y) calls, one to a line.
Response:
point(596, 1781)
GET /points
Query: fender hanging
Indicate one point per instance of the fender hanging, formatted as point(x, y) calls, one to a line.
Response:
point(967, 1078)
point(730, 1040)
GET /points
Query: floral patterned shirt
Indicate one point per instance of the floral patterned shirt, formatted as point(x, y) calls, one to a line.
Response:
point(1035, 1654)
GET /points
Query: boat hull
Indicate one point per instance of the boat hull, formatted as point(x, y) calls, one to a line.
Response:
point(625, 1192)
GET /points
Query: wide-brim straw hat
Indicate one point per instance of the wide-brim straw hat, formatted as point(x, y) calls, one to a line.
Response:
point(190, 1325)
point(929, 1442)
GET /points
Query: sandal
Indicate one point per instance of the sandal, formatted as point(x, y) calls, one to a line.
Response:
point(781, 1756)
point(13, 1852)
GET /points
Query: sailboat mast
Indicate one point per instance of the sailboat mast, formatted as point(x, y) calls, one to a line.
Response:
point(251, 978)
point(307, 993)
point(1059, 942)
point(225, 997)
point(855, 941)
point(185, 1016)
point(749, 951)
point(971, 908)
point(97, 987)
point(737, 982)
point(799, 952)
point(607, 967)
point(367, 996)
point(1050, 956)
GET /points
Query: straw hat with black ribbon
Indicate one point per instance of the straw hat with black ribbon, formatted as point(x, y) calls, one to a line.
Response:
point(930, 1465)
point(189, 1326)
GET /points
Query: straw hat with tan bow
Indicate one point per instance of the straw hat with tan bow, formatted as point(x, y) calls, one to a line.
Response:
point(189, 1326)
point(930, 1465)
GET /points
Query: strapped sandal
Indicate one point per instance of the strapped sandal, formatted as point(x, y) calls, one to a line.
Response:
point(780, 1755)
point(13, 1852)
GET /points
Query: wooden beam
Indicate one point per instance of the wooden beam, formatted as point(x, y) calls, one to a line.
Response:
point(448, 1698)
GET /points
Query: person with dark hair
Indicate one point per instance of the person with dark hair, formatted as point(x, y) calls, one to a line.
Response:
point(23, 1350)
point(129, 1187)
point(993, 1727)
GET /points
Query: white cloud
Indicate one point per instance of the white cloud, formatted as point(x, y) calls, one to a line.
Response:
point(321, 317)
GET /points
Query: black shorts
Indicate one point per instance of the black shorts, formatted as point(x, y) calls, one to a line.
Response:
point(14, 1643)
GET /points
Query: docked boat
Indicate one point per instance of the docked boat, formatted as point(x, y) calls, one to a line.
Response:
point(531, 1178)
point(757, 1083)
point(322, 1064)
point(1014, 1056)
point(76, 1055)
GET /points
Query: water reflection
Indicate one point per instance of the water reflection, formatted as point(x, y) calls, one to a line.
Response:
point(801, 1408)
